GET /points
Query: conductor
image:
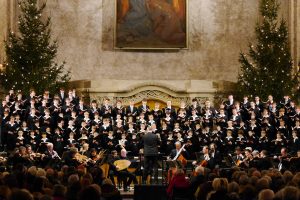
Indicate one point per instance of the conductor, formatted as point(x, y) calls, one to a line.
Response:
point(151, 142)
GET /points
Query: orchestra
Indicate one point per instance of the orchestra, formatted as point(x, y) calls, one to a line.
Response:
point(63, 129)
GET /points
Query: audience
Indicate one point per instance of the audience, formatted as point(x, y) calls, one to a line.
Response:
point(76, 184)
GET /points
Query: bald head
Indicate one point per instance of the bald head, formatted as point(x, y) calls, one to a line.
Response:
point(178, 145)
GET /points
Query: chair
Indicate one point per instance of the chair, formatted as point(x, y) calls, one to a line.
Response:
point(131, 170)
point(105, 169)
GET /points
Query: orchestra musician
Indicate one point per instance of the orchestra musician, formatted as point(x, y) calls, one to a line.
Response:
point(215, 156)
point(174, 152)
point(245, 163)
point(30, 153)
point(93, 157)
point(20, 157)
point(238, 157)
point(112, 157)
point(264, 162)
point(255, 159)
point(70, 157)
point(124, 175)
point(51, 156)
point(283, 160)
point(84, 150)
point(204, 159)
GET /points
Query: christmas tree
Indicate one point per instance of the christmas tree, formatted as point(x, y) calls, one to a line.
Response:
point(268, 68)
point(30, 53)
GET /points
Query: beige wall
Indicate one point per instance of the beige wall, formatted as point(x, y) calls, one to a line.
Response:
point(8, 21)
point(218, 31)
point(3, 27)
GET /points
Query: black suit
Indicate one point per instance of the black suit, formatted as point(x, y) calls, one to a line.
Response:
point(173, 153)
point(264, 164)
point(215, 159)
point(145, 110)
point(62, 97)
point(228, 107)
point(171, 110)
point(131, 112)
point(151, 142)
point(198, 110)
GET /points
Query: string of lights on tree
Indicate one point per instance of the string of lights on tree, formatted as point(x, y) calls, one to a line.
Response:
point(30, 53)
point(268, 67)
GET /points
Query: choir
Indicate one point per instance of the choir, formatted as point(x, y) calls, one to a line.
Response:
point(64, 120)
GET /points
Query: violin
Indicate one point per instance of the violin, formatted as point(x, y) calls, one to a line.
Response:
point(81, 158)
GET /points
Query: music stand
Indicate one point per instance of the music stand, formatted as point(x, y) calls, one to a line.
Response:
point(294, 164)
point(229, 161)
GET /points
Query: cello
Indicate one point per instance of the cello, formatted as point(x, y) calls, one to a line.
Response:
point(178, 158)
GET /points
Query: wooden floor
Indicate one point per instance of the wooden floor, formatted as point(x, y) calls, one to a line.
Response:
point(127, 195)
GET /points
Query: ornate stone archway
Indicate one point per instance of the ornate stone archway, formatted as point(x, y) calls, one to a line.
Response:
point(155, 95)
point(136, 90)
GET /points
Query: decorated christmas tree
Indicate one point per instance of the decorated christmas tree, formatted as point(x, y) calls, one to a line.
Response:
point(30, 53)
point(268, 68)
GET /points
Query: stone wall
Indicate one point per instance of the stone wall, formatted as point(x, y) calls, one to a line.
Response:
point(8, 22)
point(3, 27)
point(218, 31)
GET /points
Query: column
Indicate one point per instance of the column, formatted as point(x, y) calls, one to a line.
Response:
point(294, 30)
